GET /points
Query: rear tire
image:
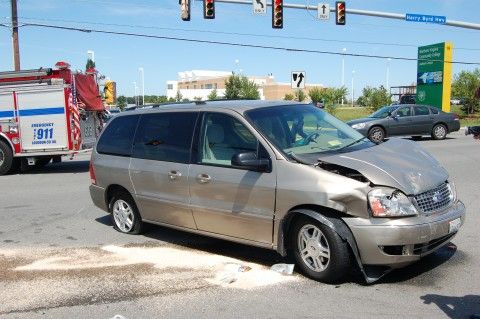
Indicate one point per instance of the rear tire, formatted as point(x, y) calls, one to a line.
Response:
point(319, 251)
point(124, 214)
point(6, 158)
point(439, 132)
point(376, 134)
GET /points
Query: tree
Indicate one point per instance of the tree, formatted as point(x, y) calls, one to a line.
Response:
point(240, 87)
point(289, 97)
point(300, 96)
point(465, 85)
point(90, 64)
point(179, 96)
point(121, 102)
point(213, 95)
point(374, 98)
point(329, 96)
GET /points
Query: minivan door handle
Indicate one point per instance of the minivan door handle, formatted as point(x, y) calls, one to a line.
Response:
point(173, 175)
point(203, 178)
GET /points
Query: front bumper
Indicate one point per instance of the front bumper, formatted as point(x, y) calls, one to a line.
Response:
point(398, 242)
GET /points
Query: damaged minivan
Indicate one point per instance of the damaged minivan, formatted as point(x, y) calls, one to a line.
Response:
point(278, 175)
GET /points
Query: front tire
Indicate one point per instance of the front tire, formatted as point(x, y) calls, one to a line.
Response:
point(124, 214)
point(319, 251)
point(439, 132)
point(376, 134)
point(6, 158)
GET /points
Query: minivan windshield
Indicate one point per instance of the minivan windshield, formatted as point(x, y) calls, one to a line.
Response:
point(304, 129)
point(383, 112)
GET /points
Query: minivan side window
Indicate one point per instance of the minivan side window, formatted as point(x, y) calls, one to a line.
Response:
point(165, 136)
point(223, 136)
point(118, 136)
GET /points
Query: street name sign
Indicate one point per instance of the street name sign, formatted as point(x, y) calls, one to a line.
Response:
point(323, 12)
point(259, 6)
point(414, 17)
point(298, 80)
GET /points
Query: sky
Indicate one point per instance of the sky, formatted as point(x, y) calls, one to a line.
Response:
point(120, 57)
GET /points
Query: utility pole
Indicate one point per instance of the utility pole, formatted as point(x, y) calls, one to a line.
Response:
point(16, 49)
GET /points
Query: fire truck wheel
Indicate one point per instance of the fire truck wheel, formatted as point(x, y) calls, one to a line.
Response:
point(125, 216)
point(6, 158)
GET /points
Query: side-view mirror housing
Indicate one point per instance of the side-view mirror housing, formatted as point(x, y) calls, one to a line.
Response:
point(249, 160)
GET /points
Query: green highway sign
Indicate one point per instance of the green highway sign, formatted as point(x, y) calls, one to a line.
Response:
point(434, 75)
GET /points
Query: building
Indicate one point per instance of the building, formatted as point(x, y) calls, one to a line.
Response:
point(198, 84)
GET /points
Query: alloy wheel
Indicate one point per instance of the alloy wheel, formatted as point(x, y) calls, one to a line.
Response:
point(314, 248)
point(123, 215)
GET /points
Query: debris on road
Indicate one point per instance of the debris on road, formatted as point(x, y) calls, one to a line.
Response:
point(284, 269)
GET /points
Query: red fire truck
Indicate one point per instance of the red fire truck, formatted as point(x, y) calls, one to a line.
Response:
point(45, 114)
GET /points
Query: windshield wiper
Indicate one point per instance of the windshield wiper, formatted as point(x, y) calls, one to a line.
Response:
point(298, 159)
point(353, 143)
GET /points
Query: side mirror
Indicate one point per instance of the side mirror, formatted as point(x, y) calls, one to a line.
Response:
point(249, 160)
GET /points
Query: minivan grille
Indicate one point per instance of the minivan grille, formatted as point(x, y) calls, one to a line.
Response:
point(435, 199)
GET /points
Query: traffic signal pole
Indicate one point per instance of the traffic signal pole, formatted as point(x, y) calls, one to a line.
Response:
point(380, 14)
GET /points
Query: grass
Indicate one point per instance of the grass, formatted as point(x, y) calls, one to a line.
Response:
point(350, 113)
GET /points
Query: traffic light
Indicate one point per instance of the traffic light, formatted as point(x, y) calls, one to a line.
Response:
point(209, 9)
point(340, 15)
point(185, 9)
point(277, 14)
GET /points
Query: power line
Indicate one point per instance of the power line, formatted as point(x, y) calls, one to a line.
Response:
point(240, 34)
point(235, 44)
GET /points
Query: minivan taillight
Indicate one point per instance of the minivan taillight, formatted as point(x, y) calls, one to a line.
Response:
point(93, 179)
point(456, 117)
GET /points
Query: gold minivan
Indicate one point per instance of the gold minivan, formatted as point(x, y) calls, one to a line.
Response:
point(279, 175)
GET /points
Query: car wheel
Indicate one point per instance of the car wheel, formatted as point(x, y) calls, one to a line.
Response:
point(319, 251)
point(125, 216)
point(439, 132)
point(6, 158)
point(376, 134)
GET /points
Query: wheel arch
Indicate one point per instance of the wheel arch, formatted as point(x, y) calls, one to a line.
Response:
point(5, 139)
point(326, 216)
point(112, 189)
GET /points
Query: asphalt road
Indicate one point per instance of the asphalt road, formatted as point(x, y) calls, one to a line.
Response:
point(60, 258)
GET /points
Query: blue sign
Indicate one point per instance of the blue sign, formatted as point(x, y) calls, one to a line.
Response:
point(413, 17)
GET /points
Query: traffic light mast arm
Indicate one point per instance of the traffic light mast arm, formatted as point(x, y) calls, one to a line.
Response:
point(380, 14)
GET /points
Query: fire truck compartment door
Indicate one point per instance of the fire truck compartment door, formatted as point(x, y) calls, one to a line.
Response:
point(7, 115)
point(43, 122)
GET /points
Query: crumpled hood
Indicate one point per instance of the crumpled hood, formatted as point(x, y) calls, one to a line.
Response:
point(397, 163)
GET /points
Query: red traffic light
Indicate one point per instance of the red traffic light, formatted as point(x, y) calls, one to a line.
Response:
point(277, 14)
point(340, 13)
point(209, 9)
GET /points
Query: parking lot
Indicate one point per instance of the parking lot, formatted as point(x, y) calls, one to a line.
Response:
point(61, 258)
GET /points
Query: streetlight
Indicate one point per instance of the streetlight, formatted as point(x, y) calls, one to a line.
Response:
point(135, 94)
point(388, 74)
point(353, 92)
point(91, 55)
point(140, 69)
point(343, 68)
